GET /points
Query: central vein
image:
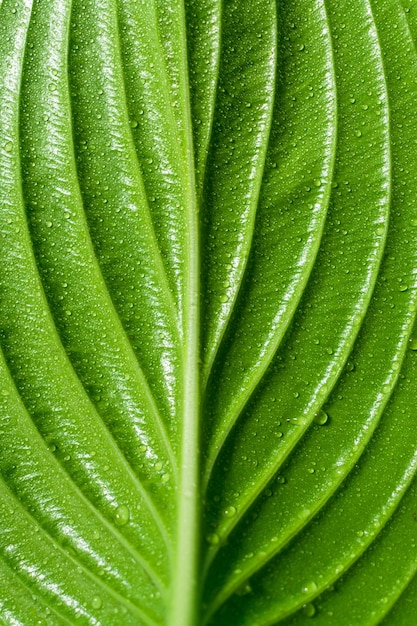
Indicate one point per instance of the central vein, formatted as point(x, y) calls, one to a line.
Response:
point(185, 591)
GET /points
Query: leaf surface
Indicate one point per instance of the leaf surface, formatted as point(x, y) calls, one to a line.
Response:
point(207, 306)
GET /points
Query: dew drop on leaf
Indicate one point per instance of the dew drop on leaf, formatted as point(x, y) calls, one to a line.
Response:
point(321, 418)
point(309, 587)
point(309, 610)
point(243, 590)
point(213, 539)
point(97, 602)
point(230, 511)
point(122, 515)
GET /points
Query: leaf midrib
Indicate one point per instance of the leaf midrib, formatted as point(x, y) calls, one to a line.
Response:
point(185, 591)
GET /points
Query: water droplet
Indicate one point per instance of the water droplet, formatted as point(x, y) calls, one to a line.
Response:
point(282, 480)
point(224, 299)
point(213, 539)
point(279, 434)
point(134, 124)
point(309, 587)
point(165, 478)
point(317, 182)
point(403, 287)
point(97, 602)
point(358, 133)
point(301, 47)
point(8, 146)
point(122, 515)
point(380, 230)
point(158, 466)
point(230, 511)
point(243, 590)
point(49, 224)
point(321, 418)
point(413, 344)
point(309, 610)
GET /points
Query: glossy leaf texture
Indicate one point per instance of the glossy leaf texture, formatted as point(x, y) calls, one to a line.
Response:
point(208, 294)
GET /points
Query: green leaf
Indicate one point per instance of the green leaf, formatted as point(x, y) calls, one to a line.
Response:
point(208, 354)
